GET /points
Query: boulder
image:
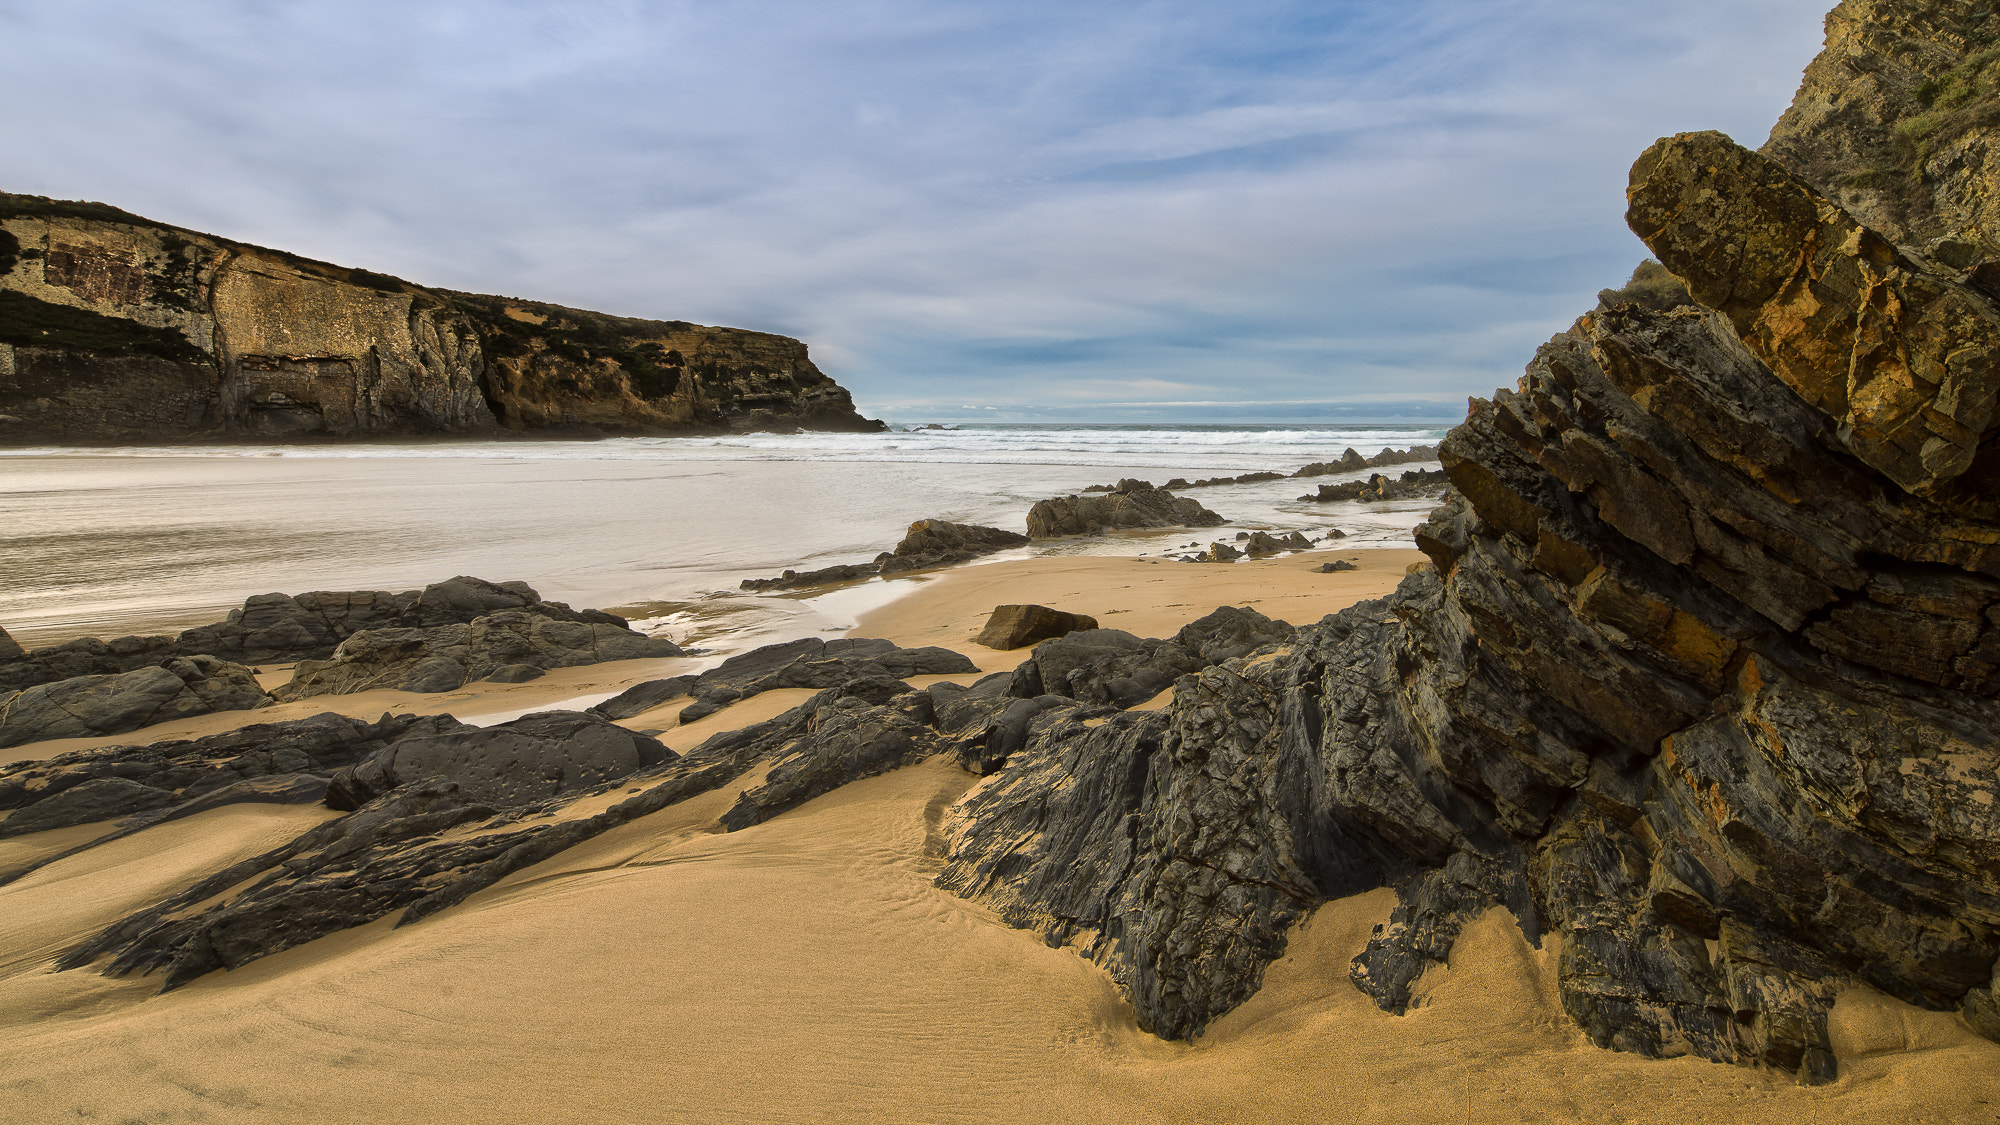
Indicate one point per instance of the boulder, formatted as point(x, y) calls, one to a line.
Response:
point(1335, 566)
point(1012, 626)
point(1219, 553)
point(10, 649)
point(89, 706)
point(1091, 515)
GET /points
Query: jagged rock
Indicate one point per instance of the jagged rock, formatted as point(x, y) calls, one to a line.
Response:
point(1011, 626)
point(445, 657)
point(9, 647)
point(1232, 631)
point(1678, 684)
point(1336, 566)
point(87, 706)
point(1332, 534)
point(261, 762)
point(805, 663)
point(1091, 515)
point(850, 738)
point(398, 850)
point(1264, 543)
point(120, 328)
point(504, 766)
point(934, 543)
point(1219, 553)
point(1907, 364)
point(1415, 484)
point(1350, 461)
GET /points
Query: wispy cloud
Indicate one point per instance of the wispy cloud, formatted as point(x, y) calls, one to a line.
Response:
point(1287, 207)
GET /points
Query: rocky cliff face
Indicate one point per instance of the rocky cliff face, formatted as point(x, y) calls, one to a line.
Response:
point(114, 327)
point(1700, 680)
point(1894, 122)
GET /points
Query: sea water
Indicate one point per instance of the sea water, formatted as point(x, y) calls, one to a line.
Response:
point(113, 541)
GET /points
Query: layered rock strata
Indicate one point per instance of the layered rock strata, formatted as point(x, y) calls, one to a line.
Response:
point(118, 328)
point(1701, 678)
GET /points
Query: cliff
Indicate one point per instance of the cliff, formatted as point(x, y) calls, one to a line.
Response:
point(117, 328)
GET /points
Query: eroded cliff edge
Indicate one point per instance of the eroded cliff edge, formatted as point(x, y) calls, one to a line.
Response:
point(118, 328)
point(1700, 679)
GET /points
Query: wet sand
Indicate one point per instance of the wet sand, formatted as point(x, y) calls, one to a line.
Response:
point(805, 970)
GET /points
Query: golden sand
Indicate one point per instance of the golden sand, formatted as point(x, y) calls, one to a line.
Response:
point(805, 970)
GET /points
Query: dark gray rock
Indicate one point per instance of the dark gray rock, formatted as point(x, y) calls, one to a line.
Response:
point(1091, 515)
point(99, 799)
point(89, 706)
point(850, 738)
point(504, 766)
point(935, 543)
point(445, 657)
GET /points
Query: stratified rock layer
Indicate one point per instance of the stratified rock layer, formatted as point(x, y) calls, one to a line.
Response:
point(1701, 678)
point(114, 328)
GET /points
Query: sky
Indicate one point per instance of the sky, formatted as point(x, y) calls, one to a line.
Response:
point(1185, 211)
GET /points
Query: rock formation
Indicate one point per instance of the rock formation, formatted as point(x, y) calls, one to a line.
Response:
point(1701, 676)
point(1132, 503)
point(118, 328)
point(1012, 626)
point(86, 706)
point(926, 545)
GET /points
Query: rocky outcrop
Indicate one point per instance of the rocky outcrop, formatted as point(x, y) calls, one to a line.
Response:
point(1139, 505)
point(115, 328)
point(1700, 677)
point(1894, 123)
point(1414, 485)
point(927, 545)
point(509, 646)
point(808, 662)
point(436, 810)
point(286, 627)
point(89, 706)
point(935, 543)
point(242, 764)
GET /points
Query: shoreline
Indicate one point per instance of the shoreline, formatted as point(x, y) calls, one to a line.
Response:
point(946, 607)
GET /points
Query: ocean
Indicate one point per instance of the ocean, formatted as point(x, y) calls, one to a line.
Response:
point(107, 542)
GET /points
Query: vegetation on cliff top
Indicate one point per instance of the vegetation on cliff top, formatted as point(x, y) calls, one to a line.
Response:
point(28, 322)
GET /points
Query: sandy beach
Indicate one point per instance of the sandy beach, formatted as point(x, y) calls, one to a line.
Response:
point(806, 970)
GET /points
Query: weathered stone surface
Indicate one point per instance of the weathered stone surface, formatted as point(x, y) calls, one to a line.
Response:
point(86, 706)
point(262, 762)
point(98, 799)
point(1012, 626)
point(934, 543)
point(1139, 507)
point(9, 647)
point(445, 657)
point(511, 808)
point(1906, 363)
point(505, 766)
point(805, 663)
point(121, 328)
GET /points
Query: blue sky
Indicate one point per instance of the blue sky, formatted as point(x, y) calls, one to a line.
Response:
point(1181, 211)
